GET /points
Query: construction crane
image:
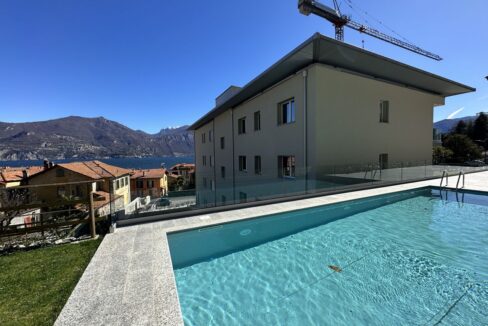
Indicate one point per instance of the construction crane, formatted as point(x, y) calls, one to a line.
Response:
point(307, 7)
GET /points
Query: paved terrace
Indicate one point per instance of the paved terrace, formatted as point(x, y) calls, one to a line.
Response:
point(130, 279)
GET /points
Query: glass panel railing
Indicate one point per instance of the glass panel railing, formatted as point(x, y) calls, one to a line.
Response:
point(207, 189)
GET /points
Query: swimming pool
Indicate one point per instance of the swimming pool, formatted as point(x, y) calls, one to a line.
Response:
point(413, 257)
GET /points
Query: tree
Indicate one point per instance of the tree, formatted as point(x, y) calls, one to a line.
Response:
point(462, 147)
point(461, 128)
point(480, 128)
point(441, 155)
point(469, 129)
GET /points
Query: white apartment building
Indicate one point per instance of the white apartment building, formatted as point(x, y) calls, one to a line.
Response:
point(324, 105)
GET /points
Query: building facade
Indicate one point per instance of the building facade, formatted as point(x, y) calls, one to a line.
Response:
point(182, 176)
point(324, 106)
point(149, 182)
point(75, 181)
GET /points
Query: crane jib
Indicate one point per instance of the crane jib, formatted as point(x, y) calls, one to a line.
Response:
point(307, 7)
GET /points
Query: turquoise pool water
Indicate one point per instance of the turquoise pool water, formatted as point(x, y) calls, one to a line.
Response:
point(410, 258)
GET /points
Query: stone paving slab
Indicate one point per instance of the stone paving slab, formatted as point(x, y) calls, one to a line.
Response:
point(130, 279)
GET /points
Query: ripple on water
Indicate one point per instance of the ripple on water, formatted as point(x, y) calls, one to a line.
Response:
point(402, 264)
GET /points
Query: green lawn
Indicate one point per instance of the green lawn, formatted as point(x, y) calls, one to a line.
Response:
point(35, 285)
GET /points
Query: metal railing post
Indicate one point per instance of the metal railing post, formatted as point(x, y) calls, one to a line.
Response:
point(401, 171)
point(93, 231)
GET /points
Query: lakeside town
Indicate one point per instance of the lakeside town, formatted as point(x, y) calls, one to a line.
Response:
point(116, 190)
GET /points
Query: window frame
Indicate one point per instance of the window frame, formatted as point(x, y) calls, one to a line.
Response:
point(384, 111)
point(291, 113)
point(222, 172)
point(242, 163)
point(257, 164)
point(61, 191)
point(139, 184)
point(257, 120)
point(222, 142)
point(291, 174)
point(241, 126)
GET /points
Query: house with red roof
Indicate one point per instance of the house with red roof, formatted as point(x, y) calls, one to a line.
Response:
point(110, 184)
point(149, 182)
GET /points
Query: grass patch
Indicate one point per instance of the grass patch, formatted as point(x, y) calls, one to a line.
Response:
point(35, 285)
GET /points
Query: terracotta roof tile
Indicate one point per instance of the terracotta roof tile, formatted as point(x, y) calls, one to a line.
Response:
point(8, 174)
point(95, 169)
point(148, 173)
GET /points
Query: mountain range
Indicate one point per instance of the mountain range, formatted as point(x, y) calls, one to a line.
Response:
point(446, 125)
point(79, 137)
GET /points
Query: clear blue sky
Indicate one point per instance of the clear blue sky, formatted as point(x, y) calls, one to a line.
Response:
point(153, 64)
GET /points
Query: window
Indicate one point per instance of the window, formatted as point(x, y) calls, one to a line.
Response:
point(117, 184)
point(59, 172)
point(139, 184)
point(210, 135)
point(383, 161)
point(212, 185)
point(385, 111)
point(286, 112)
point(204, 182)
point(241, 126)
point(257, 164)
point(204, 160)
point(203, 138)
point(150, 183)
point(286, 166)
point(224, 199)
point(211, 161)
point(242, 163)
point(257, 120)
point(222, 142)
point(61, 191)
point(222, 172)
point(242, 197)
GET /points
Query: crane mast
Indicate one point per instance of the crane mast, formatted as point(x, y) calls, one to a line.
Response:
point(307, 7)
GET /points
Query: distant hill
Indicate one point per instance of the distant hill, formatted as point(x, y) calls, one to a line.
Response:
point(78, 137)
point(446, 125)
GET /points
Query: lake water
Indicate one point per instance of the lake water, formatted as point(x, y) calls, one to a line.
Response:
point(124, 162)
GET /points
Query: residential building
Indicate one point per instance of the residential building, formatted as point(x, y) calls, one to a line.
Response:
point(185, 172)
point(76, 180)
point(149, 182)
point(324, 105)
point(10, 196)
point(12, 177)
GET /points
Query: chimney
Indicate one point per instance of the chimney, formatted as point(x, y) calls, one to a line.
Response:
point(25, 174)
point(227, 94)
point(51, 164)
point(46, 164)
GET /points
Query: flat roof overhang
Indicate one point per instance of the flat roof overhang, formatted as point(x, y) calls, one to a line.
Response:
point(325, 50)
